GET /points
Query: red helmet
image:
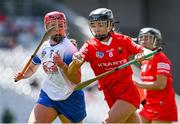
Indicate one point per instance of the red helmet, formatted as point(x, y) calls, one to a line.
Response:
point(57, 17)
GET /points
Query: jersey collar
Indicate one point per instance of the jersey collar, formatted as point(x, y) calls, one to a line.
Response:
point(108, 42)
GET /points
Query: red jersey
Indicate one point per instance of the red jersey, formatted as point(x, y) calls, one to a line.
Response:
point(159, 64)
point(106, 56)
point(160, 104)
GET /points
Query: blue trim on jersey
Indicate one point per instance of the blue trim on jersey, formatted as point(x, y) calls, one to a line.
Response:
point(36, 60)
point(69, 50)
point(68, 58)
point(73, 107)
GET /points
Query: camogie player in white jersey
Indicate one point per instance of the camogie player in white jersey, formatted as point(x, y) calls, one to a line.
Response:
point(57, 98)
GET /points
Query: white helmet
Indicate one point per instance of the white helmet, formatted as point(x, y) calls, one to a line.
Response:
point(155, 34)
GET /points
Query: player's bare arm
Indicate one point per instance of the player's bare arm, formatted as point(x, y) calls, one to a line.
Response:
point(159, 84)
point(75, 65)
point(28, 73)
point(73, 77)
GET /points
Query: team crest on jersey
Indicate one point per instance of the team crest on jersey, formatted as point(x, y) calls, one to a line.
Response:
point(120, 49)
point(43, 53)
point(99, 54)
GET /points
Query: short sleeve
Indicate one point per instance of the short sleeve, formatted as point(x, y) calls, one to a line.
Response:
point(163, 68)
point(36, 60)
point(132, 46)
point(84, 51)
point(163, 65)
point(38, 57)
point(68, 54)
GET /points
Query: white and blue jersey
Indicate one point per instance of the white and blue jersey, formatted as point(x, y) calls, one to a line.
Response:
point(57, 91)
point(56, 84)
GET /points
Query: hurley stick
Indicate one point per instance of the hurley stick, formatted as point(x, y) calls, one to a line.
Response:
point(88, 82)
point(46, 34)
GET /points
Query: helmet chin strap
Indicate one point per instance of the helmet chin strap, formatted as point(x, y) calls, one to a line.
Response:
point(102, 37)
point(156, 44)
point(57, 38)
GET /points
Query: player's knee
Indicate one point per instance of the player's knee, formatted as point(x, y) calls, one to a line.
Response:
point(134, 118)
point(117, 119)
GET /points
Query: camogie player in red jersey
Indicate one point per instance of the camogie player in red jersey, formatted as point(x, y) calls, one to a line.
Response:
point(104, 52)
point(157, 79)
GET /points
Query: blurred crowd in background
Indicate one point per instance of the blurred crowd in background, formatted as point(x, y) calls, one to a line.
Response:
point(19, 35)
point(19, 31)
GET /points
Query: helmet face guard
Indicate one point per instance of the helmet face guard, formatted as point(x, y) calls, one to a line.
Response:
point(101, 23)
point(150, 38)
point(146, 40)
point(58, 20)
point(100, 29)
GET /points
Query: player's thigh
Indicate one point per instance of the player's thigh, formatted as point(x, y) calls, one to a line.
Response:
point(42, 114)
point(64, 119)
point(160, 121)
point(134, 118)
point(145, 120)
point(120, 112)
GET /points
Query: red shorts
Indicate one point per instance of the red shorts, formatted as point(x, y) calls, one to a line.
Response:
point(159, 111)
point(124, 90)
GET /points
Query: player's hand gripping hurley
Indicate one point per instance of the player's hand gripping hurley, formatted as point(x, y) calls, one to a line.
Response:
point(46, 34)
point(88, 82)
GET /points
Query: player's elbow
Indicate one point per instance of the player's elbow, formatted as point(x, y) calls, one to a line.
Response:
point(76, 78)
point(162, 87)
point(77, 81)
